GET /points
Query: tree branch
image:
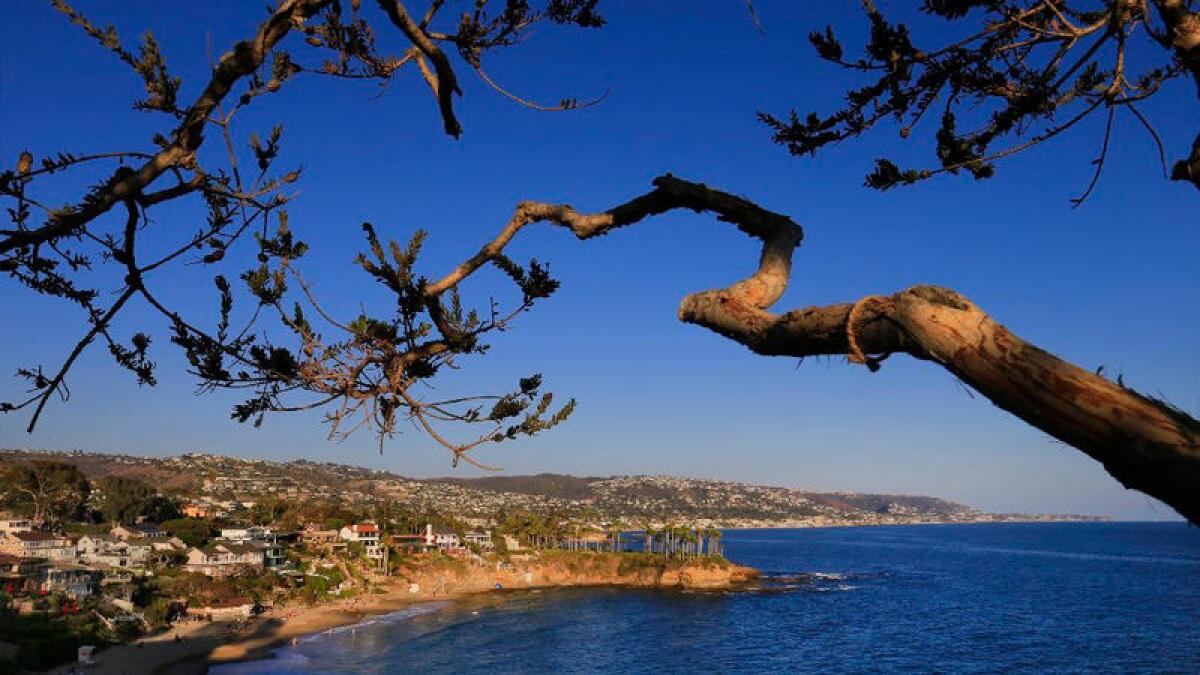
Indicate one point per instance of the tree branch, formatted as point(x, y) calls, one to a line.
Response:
point(1144, 443)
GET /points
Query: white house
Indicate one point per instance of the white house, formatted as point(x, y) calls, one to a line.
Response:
point(103, 548)
point(441, 537)
point(272, 551)
point(367, 534)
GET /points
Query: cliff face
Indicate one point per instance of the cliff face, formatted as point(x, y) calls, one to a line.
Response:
point(566, 569)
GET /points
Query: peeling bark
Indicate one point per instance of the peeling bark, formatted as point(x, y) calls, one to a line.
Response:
point(1145, 444)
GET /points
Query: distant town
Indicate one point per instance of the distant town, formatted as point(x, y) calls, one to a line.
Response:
point(103, 548)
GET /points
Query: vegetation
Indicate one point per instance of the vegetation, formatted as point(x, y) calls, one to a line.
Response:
point(47, 492)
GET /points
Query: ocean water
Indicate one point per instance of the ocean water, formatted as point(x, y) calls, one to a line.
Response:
point(1057, 597)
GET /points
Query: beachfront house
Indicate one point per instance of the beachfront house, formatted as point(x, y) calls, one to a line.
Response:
point(38, 545)
point(220, 559)
point(272, 552)
point(441, 537)
point(481, 539)
point(367, 534)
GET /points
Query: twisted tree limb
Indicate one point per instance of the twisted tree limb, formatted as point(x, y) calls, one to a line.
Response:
point(1145, 444)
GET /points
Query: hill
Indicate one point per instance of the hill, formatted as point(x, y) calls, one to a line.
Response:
point(630, 499)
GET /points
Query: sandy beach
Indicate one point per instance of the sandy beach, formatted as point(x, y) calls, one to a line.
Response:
point(202, 644)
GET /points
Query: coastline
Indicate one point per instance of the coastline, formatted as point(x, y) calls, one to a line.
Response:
point(205, 644)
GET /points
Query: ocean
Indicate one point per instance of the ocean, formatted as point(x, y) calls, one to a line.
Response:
point(1045, 597)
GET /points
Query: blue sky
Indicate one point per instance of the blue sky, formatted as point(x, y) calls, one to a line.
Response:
point(1112, 283)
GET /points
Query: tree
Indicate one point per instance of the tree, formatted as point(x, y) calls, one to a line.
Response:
point(45, 491)
point(125, 498)
point(191, 531)
point(1029, 61)
point(1021, 72)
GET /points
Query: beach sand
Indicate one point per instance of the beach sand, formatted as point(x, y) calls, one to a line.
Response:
point(203, 644)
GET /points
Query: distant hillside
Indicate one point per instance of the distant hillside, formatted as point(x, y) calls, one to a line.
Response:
point(629, 499)
point(546, 484)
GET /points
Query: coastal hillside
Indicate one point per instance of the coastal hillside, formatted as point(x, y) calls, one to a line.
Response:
point(632, 499)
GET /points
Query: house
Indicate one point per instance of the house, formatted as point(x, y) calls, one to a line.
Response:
point(408, 542)
point(150, 550)
point(481, 539)
point(76, 580)
point(272, 551)
point(511, 543)
point(141, 530)
point(38, 545)
point(197, 511)
point(312, 535)
point(17, 575)
point(442, 538)
point(220, 559)
point(367, 534)
point(103, 549)
point(10, 524)
point(252, 533)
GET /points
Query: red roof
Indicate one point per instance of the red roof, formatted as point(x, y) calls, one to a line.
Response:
point(365, 528)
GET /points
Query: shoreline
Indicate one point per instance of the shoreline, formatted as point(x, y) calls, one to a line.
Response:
point(202, 645)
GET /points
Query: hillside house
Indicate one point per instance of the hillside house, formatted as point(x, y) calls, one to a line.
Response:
point(47, 545)
point(9, 523)
point(77, 581)
point(198, 511)
point(367, 534)
point(481, 539)
point(17, 575)
point(220, 559)
point(272, 551)
point(312, 534)
point(139, 531)
point(441, 538)
point(103, 549)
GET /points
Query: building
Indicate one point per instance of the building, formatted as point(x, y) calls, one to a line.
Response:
point(221, 559)
point(78, 581)
point(413, 543)
point(18, 575)
point(311, 534)
point(366, 534)
point(38, 545)
point(272, 551)
point(103, 549)
point(197, 511)
point(481, 539)
point(141, 530)
point(441, 538)
point(10, 524)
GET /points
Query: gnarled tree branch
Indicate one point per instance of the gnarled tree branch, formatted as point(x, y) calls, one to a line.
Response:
point(1145, 444)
